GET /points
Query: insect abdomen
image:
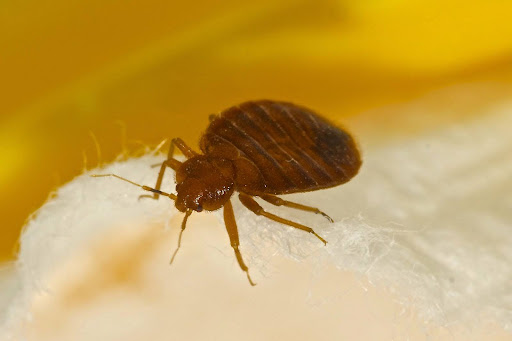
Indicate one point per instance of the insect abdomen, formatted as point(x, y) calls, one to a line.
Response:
point(293, 149)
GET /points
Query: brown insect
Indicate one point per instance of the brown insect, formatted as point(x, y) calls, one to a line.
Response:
point(259, 149)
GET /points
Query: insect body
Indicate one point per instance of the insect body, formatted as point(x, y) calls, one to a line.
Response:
point(259, 149)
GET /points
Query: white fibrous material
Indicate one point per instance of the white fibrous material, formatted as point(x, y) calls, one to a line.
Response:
point(428, 217)
point(77, 214)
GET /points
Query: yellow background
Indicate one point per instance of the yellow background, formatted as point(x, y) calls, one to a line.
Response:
point(158, 68)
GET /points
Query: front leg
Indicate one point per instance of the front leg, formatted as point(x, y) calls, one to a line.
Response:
point(229, 221)
point(171, 162)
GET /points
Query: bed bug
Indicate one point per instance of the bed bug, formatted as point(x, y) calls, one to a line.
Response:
point(259, 149)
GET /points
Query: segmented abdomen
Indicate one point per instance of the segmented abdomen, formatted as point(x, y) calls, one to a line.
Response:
point(294, 149)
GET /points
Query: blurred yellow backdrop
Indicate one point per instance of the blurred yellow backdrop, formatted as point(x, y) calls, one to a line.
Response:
point(158, 68)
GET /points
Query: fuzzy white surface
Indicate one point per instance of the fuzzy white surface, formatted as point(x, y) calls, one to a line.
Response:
point(429, 217)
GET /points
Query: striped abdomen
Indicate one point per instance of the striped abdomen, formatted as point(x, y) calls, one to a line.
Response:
point(292, 148)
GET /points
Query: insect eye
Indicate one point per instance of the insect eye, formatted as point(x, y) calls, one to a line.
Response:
point(199, 208)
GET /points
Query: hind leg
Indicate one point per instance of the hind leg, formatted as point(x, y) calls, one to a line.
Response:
point(280, 202)
point(252, 205)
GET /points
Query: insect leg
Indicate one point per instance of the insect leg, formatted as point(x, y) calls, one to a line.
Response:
point(229, 221)
point(182, 146)
point(171, 162)
point(252, 205)
point(280, 202)
point(183, 226)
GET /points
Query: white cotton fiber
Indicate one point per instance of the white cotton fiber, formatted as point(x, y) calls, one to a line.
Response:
point(428, 217)
point(79, 213)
